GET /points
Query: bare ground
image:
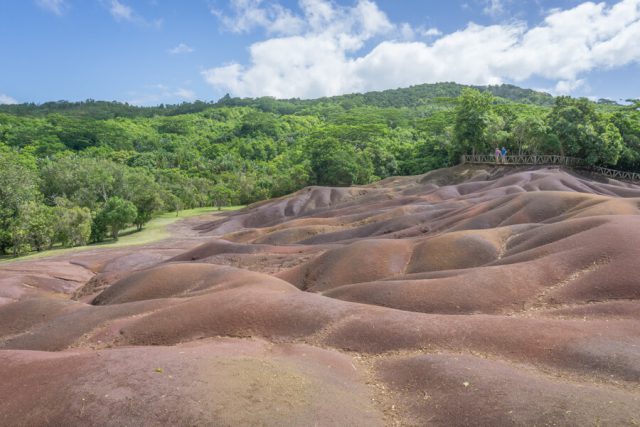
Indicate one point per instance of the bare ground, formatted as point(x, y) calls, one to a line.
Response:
point(466, 296)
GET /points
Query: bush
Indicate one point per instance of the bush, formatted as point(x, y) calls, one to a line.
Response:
point(73, 226)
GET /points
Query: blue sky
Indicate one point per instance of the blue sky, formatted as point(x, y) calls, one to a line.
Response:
point(167, 51)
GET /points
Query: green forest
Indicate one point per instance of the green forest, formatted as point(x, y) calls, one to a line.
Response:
point(78, 172)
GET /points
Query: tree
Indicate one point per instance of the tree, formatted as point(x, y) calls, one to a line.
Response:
point(571, 122)
point(19, 238)
point(98, 227)
point(172, 202)
point(530, 134)
point(580, 131)
point(72, 225)
point(18, 187)
point(430, 153)
point(116, 214)
point(87, 182)
point(605, 145)
point(141, 189)
point(628, 124)
point(34, 228)
point(334, 163)
point(221, 195)
point(473, 114)
point(496, 132)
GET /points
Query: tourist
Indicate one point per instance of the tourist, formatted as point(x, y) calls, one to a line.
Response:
point(498, 153)
point(503, 154)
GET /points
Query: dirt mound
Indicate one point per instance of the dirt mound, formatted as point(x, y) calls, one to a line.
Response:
point(70, 326)
point(222, 382)
point(252, 311)
point(22, 279)
point(357, 262)
point(462, 390)
point(182, 280)
point(302, 203)
point(465, 296)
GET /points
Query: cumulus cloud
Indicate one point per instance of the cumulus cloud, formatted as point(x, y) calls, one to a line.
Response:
point(351, 49)
point(5, 99)
point(250, 14)
point(181, 48)
point(56, 7)
point(317, 16)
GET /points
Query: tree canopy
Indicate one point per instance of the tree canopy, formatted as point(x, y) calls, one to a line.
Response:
point(80, 161)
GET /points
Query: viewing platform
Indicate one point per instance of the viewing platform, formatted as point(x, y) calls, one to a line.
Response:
point(548, 160)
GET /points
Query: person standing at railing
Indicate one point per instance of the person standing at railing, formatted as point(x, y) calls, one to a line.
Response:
point(503, 154)
point(498, 154)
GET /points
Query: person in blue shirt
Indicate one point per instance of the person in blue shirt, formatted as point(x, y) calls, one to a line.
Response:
point(503, 153)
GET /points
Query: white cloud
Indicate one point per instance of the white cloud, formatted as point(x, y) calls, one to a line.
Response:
point(159, 93)
point(564, 87)
point(185, 94)
point(324, 55)
point(5, 99)
point(181, 48)
point(121, 12)
point(56, 7)
point(494, 7)
point(431, 32)
point(407, 31)
point(250, 14)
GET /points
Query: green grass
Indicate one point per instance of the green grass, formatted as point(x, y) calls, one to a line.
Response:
point(155, 230)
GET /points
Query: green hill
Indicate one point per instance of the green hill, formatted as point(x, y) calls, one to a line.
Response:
point(414, 96)
point(77, 171)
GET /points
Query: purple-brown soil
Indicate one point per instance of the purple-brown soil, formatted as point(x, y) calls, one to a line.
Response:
point(465, 296)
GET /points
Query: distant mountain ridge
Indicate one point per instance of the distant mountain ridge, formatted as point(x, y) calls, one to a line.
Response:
point(411, 97)
point(417, 95)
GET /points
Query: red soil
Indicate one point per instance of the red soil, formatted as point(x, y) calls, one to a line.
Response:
point(466, 296)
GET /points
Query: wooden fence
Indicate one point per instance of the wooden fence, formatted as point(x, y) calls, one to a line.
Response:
point(571, 162)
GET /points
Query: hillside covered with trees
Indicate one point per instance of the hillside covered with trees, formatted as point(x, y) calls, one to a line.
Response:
point(71, 173)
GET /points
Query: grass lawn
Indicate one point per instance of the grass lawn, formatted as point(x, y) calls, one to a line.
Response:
point(155, 230)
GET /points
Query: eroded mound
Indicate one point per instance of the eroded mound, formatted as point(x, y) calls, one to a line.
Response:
point(466, 296)
point(220, 382)
point(183, 280)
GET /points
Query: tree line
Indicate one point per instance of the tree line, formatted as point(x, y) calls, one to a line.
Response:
point(73, 173)
point(572, 127)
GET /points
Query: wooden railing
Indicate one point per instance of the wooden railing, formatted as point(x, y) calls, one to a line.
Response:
point(615, 174)
point(572, 162)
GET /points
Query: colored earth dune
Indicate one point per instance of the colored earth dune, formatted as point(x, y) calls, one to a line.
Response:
point(466, 296)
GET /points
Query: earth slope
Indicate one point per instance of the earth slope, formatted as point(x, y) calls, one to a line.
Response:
point(466, 296)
